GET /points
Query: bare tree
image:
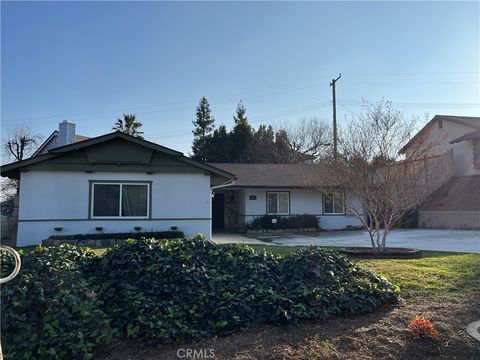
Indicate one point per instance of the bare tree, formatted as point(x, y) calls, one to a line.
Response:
point(309, 139)
point(20, 145)
point(381, 186)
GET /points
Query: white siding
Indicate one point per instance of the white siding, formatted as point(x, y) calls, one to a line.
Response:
point(437, 141)
point(61, 199)
point(302, 201)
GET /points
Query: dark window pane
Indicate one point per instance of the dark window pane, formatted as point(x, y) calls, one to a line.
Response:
point(272, 203)
point(134, 200)
point(339, 203)
point(328, 204)
point(106, 200)
point(283, 203)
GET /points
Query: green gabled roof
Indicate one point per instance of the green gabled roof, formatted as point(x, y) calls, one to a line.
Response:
point(114, 135)
point(13, 169)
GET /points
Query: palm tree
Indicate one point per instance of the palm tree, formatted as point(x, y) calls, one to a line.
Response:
point(129, 125)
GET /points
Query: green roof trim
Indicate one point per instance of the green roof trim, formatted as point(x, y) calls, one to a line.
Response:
point(12, 170)
point(114, 135)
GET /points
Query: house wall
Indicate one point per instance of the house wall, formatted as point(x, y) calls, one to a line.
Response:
point(449, 219)
point(437, 141)
point(61, 199)
point(302, 201)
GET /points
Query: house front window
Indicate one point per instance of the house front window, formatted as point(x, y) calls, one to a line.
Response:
point(120, 200)
point(278, 203)
point(334, 203)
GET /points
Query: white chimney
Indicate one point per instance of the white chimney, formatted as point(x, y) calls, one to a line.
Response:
point(66, 133)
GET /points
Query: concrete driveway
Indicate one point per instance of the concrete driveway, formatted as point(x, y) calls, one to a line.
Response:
point(424, 239)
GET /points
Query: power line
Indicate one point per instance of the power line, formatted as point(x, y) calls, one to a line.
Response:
point(410, 82)
point(416, 104)
point(279, 115)
point(129, 108)
point(236, 94)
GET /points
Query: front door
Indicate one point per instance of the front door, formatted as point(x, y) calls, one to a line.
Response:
point(218, 211)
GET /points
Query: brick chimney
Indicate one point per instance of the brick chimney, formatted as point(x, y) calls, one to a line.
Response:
point(66, 133)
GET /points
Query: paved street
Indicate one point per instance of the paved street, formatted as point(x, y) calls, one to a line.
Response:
point(424, 239)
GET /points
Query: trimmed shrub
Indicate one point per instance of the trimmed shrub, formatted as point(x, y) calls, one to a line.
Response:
point(185, 288)
point(298, 221)
point(50, 310)
point(121, 236)
point(322, 283)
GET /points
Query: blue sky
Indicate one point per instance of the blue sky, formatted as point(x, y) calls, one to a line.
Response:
point(89, 62)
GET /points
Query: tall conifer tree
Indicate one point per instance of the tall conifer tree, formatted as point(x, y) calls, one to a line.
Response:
point(204, 125)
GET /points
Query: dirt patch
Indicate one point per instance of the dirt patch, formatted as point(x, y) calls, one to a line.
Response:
point(379, 335)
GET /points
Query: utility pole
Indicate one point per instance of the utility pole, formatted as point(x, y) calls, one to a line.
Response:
point(335, 140)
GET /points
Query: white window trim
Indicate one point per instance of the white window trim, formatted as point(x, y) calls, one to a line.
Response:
point(344, 212)
point(277, 193)
point(93, 183)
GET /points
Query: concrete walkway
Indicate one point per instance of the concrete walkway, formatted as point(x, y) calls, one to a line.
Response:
point(423, 239)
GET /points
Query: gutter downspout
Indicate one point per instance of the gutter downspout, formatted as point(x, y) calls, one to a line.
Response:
point(231, 182)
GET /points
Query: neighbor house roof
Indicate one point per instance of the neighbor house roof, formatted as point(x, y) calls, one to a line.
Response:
point(276, 175)
point(470, 136)
point(13, 169)
point(53, 135)
point(473, 122)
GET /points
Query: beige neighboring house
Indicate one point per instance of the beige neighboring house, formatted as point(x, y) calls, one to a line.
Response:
point(456, 139)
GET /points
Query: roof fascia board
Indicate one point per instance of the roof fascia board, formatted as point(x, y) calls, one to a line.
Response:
point(114, 135)
point(45, 143)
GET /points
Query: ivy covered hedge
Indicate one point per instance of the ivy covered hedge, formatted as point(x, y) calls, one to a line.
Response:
point(50, 310)
point(297, 221)
point(66, 301)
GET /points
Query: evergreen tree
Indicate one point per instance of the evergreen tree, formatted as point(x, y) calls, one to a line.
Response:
point(220, 149)
point(264, 145)
point(282, 147)
point(204, 125)
point(242, 136)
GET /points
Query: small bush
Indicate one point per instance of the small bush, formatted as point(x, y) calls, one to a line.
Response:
point(421, 328)
point(50, 310)
point(121, 236)
point(298, 221)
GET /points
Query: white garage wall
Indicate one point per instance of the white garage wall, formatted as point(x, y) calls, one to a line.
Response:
point(61, 199)
point(302, 201)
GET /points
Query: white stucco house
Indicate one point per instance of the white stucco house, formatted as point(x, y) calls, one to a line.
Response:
point(279, 189)
point(456, 141)
point(116, 182)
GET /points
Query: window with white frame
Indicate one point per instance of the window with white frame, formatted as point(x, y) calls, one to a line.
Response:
point(278, 203)
point(334, 202)
point(121, 200)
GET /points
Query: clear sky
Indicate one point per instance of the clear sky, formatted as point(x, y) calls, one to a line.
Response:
point(89, 62)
